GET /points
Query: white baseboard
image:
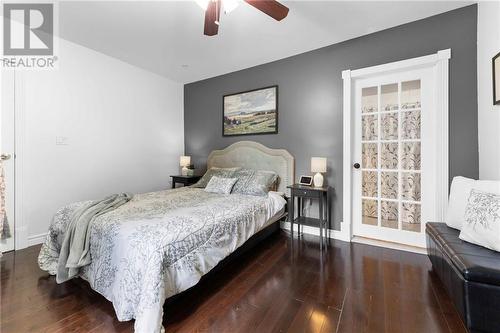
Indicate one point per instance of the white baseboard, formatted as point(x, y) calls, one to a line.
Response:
point(21, 236)
point(389, 245)
point(310, 230)
point(335, 234)
point(36, 239)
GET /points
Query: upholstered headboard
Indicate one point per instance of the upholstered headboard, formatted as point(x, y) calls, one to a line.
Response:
point(253, 155)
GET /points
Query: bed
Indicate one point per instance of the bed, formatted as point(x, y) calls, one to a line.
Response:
point(161, 243)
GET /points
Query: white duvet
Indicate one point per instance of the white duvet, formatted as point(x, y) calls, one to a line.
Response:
point(160, 244)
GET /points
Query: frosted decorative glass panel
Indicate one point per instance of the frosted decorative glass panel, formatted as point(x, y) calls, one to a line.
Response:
point(389, 126)
point(410, 182)
point(369, 99)
point(370, 127)
point(389, 185)
point(411, 156)
point(389, 97)
point(410, 94)
point(389, 155)
point(389, 214)
point(411, 124)
point(410, 217)
point(370, 212)
point(370, 184)
point(369, 155)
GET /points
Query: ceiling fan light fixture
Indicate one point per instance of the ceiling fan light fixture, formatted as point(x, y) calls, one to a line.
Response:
point(213, 8)
point(202, 3)
point(230, 5)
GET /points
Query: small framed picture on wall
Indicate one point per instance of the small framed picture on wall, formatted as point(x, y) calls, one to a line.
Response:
point(496, 79)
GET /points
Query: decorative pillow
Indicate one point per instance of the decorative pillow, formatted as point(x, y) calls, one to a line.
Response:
point(220, 172)
point(459, 194)
point(220, 185)
point(482, 220)
point(255, 182)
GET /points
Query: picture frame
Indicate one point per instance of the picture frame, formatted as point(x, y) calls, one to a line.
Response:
point(496, 79)
point(251, 112)
point(306, 180)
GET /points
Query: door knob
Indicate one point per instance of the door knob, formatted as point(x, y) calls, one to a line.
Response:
point(5, 157)
point(356, 165)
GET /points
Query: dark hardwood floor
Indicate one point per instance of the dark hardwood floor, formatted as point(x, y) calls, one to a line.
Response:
point(280, 286)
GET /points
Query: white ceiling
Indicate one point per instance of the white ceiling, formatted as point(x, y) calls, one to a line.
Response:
point(166, 37)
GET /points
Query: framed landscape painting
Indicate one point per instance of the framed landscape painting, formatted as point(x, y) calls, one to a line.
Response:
point(496, 79)
point(251, 112)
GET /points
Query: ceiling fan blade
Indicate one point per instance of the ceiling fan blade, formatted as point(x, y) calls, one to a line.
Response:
point(212, 16)
point(270, 7)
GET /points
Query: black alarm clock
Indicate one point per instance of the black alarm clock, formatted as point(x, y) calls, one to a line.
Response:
point(306, 180)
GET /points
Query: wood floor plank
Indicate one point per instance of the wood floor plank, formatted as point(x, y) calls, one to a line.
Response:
point(283, 285)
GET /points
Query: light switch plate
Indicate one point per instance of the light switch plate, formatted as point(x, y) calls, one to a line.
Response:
point(62, 140)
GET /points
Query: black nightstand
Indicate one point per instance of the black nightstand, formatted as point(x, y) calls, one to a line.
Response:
point(302, 192)
point(186, 180)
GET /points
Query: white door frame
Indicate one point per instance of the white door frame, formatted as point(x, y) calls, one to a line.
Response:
point(439, 62)
point(22, 235)
point(18, 227)
point(7, 140)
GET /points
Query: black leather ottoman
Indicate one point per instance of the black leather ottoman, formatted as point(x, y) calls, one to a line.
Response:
point(470, 274)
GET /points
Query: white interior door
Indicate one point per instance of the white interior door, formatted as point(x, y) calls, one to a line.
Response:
point(395, 154)
point(7, 135)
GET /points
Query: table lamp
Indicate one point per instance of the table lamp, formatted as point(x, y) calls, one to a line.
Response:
point(318, 165)
point(185, 161)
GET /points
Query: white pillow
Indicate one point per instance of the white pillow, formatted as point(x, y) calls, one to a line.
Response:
point(459, 195)
point(220, 185)
point(482, 220)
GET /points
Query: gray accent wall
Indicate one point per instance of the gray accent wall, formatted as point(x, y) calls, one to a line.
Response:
point(310, 96)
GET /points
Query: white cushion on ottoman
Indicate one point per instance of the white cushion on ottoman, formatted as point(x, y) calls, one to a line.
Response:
point(482, 220)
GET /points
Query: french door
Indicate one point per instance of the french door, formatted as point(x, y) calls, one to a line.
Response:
point(395, 155)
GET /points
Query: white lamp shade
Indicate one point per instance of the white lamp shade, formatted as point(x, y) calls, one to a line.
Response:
point(185, 161)
point(318, 164)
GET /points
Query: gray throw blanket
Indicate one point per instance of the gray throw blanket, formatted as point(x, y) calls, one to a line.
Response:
point(75, 246)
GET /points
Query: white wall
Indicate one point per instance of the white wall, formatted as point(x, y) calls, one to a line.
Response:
point(488, 45)
point(124, 128)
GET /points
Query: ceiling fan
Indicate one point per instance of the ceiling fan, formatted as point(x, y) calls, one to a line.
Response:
point(213, 7)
